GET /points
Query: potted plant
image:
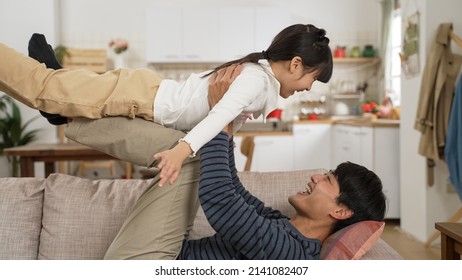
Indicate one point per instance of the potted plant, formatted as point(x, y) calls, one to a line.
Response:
point(61, 52)
point(13, 132)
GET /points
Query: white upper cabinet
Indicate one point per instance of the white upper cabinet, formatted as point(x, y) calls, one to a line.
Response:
point(236, 34)
point(200, 34)
point(164, 41)
point(269, 21)
point(210, 34)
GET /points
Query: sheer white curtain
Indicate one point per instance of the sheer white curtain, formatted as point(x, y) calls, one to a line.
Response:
point(387, 7)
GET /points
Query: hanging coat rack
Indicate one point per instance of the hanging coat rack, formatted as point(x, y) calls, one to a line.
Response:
point(455, 38)
point(458, 215)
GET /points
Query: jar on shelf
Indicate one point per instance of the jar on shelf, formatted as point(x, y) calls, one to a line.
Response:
point(355, 52)
point(340, 51)
point(368, 51)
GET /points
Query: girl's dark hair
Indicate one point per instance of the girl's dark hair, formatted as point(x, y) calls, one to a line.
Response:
point(361, 191)
point(305, 41)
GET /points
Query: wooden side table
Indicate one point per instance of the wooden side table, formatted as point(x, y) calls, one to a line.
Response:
point(451, 240)
point(51, 153)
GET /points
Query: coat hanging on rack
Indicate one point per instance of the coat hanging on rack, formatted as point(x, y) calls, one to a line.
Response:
point(436, 95)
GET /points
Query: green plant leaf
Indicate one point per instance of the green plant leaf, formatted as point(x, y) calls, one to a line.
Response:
point(28, 137)
point(13, 133)
point(3, 102)
point(15, 128)
point(61, 52)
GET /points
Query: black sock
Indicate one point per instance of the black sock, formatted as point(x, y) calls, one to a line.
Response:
point(41, 51)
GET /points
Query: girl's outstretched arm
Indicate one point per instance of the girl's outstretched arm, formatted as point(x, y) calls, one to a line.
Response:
point(171, 160)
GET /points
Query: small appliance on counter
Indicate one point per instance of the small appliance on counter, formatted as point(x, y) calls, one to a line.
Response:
point(313, 108)
point(346, 98)
point(345, 105)
point(274, 118)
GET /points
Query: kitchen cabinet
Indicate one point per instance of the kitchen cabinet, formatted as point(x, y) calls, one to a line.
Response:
point(376, 148)
point(312, 146)
point(239, 158)
point(210, 34)
point(182, 35)
point(308, 147)
point(164, 35)
point(352, 143)
point(269, 21)
point(236, 36)
point(273, 153)
point(200, 29)
point(386, 165)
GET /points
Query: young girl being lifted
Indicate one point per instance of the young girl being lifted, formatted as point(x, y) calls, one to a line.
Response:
point(298, 56)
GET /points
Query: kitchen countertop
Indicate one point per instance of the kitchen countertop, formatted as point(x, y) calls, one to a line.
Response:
point(328, 121)
point(285, 128)
point(265, 129)
point(263, 133)
point(369, 122)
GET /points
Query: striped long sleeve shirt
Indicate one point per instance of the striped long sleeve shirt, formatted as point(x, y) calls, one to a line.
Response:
point(245, 228)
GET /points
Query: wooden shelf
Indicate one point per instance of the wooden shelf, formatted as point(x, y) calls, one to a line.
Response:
point(356, 60)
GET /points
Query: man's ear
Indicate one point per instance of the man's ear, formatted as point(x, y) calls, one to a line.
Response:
point(342, 212)
point(296, 64)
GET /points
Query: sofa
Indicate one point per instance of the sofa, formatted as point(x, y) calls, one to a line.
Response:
point(68, 217)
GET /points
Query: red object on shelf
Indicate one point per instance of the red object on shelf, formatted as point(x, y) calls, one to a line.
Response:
point(340, 52)
point(313, 117)
point(276, 114)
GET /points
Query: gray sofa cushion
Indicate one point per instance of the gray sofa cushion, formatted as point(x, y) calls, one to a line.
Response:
point(21, 201)
point(81, 217)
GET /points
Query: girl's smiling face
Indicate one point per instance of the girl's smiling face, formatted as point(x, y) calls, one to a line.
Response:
point(303, 83)
point(294, 77)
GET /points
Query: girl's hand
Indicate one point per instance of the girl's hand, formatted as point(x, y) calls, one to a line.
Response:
point(171, 162)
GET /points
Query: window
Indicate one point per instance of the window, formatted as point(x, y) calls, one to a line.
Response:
point(393, 69)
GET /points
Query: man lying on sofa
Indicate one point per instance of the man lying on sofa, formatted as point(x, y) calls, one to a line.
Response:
point(158, 225)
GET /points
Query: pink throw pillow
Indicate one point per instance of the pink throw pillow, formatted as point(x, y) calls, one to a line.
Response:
point(351, 242)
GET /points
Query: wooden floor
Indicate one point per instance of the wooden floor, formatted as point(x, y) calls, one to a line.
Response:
point(407, 246)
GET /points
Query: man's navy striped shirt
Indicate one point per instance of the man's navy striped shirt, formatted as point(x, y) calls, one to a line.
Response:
point(245, 228)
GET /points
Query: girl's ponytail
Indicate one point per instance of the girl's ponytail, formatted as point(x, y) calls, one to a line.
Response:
point(252, 57)
point(303, 40)
point(321, 40)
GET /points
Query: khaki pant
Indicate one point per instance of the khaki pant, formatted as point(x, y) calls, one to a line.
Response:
point(163, 216)
point(80, 92)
